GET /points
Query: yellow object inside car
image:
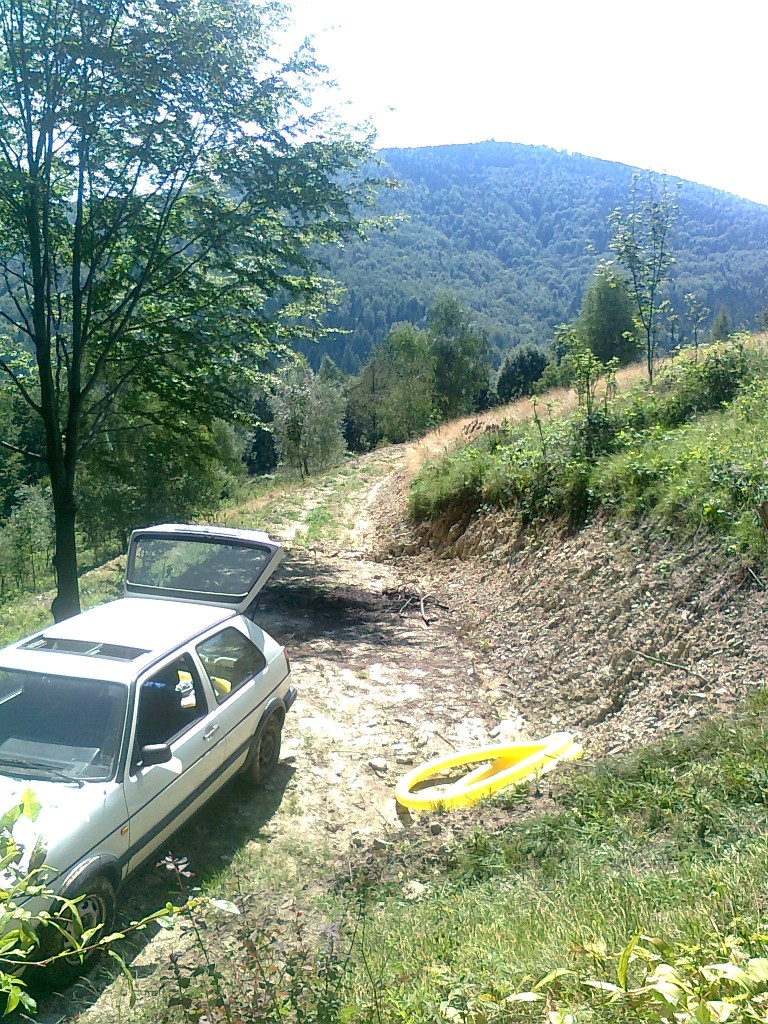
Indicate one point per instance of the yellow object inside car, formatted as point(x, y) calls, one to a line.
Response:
point(221, 686)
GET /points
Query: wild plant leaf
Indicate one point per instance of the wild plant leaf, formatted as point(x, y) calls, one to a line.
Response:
point(30, 805)
point(603, 986)
point(127, 974)
point(658, 946)
point(524, 997)
point(226, 905)
point(719, 1011)
point(702, 1014)
point(669, 991)
point(13, 999)
point(38, 855)
point(624, 961)
point(757, 969)
point(734, 973)
point(596, 949)
point(10, 817)
point(559, 1017)
point(558, 972)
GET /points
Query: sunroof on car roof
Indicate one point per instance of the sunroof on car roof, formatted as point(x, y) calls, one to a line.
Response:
point(89, 648)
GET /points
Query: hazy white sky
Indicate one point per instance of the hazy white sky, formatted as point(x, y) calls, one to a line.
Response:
point(678, 86)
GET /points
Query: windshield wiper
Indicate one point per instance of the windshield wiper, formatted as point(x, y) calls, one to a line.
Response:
point(22, 765)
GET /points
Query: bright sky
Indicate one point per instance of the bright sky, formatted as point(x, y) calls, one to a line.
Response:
point(677, 86)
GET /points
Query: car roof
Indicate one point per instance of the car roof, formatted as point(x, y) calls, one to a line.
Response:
point(141, 630)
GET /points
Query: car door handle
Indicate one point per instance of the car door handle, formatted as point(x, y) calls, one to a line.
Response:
point(211, 731)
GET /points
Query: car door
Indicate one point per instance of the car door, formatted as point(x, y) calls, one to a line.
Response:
point(234, 662)
point(171, 708)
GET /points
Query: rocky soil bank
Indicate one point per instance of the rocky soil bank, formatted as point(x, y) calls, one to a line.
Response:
point(614, 632)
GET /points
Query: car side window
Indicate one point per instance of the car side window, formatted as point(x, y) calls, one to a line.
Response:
point(170, 700)
point(230, 659)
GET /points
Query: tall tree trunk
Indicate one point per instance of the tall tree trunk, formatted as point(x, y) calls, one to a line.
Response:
point(67, 600)
point(60, 447)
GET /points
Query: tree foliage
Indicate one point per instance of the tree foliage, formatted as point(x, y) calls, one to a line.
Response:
point(418, 376)
point(520, 371)
point(696, 314)
point(162, 181)
point(642, 244)
point(515, 233)
point(461, 354)
point(721, 325)
point(308, 411)
point(606, 322)
point(393, 397)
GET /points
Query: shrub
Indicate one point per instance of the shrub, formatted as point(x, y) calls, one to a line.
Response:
point(652, 448)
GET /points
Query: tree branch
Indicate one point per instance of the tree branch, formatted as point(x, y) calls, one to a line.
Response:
point(21, 451)
point(19, 385)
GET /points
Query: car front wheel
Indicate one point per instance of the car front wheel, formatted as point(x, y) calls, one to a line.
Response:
point(96, 909)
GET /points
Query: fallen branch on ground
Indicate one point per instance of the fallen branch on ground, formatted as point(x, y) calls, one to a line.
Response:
point(672, 664)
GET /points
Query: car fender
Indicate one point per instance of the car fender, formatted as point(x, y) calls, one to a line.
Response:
point(73, 884)
point(276, 705)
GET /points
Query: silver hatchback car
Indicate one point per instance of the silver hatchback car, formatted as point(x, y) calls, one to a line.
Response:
point(126, 719)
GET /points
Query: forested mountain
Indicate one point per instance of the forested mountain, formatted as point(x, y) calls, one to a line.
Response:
point(515, 233)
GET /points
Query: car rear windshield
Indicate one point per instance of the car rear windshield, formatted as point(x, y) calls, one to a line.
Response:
point(212, 570)
point(59, 727)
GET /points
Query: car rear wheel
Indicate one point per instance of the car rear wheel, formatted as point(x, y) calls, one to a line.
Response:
point(96, 904)
point(265, 752)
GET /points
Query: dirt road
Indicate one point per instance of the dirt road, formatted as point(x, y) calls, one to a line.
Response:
point(385, 681)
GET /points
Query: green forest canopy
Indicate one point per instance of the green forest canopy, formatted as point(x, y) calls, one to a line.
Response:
point(515, 233)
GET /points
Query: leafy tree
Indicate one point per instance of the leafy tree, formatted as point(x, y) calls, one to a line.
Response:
point(162, 181)
point(362, 424)
point(308, 413)
point(641, 242)
point(260, 452)
point(393, 396)
point(330, 372)
point(606, 321)
point(696, 314)
point(26, 540)
point(462, 357)
point(519, 372)
point(721, 325)
point(142, 472)
point(408, 394)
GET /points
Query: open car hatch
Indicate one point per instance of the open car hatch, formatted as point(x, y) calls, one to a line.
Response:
point(210, 564)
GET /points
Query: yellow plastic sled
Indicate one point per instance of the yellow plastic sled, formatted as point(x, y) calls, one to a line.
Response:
point(514, 762)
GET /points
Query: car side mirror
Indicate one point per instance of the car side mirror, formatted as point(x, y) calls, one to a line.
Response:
point(155, 753)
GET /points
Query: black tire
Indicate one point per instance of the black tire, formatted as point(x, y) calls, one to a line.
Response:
point(265, 751)
point(96, 902)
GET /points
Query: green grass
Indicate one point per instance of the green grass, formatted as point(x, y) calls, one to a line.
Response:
point(668, 842)
point(711, 474)
point(689, 451)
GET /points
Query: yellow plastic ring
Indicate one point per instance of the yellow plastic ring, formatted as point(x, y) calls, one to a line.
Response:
point(509, 764)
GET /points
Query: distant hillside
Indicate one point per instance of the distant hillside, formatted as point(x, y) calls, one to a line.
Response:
point(507, 228)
